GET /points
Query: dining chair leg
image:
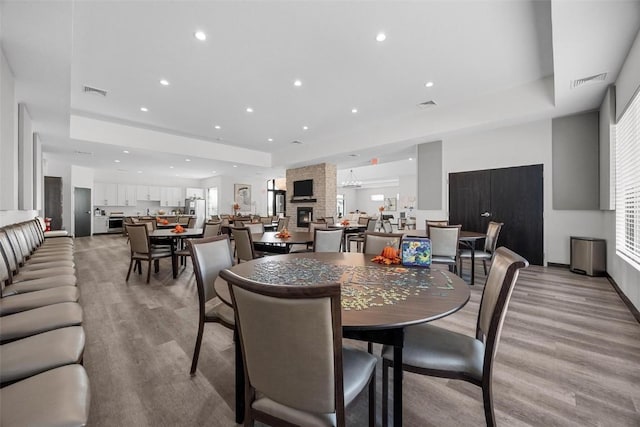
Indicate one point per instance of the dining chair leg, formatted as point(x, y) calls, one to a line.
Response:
point(129, 271)
point(149, 271)
point(385, 392)
point(196, 350)
point(489, 414)
point(372, 400)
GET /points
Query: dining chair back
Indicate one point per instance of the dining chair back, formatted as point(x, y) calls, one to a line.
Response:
point(444, 244)
point(375, 242)
point(329, 220)
point(210, 255)
point(317, 225)
point(363, 220)
point(490, 243)
point(192, 222)
point(212, 229)
point(171, 219)
point(244, 243)
point(307, 387)
point(386, 226)
point(183, 220)
point(438, 352)
point(402, 222)
point(266, 220)
point(142, 250)
point(255, 227)
point(282, 223)
point(327, 240)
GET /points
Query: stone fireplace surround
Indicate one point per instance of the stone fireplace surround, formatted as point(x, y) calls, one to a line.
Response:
point(323, 201)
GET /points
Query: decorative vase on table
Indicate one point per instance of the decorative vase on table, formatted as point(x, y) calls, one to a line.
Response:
point(379, 219)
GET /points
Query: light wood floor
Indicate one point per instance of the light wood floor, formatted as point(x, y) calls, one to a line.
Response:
point(569, 354)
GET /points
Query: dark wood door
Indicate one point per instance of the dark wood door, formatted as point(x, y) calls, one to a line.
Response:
point(53, 201)
point(470, 195)
point(513, 196)
point(82, 212)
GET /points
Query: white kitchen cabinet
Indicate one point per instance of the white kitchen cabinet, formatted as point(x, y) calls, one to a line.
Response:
point(171, 196)
point(127, 195)
point(105, 194)
point(148, 192)
point(100, 224)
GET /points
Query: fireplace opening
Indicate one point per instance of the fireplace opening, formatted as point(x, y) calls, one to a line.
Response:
point(305, 216)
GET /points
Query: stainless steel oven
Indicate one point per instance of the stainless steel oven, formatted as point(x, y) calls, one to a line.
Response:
point(115, 224)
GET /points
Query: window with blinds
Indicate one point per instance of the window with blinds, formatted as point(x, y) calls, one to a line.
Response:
point(628, 183)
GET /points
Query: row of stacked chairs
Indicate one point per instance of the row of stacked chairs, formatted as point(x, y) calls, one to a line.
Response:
point(42, 380)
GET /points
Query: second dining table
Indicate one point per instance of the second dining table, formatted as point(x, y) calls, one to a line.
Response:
point(176, 240)
point(378, 301)
point(270, 242)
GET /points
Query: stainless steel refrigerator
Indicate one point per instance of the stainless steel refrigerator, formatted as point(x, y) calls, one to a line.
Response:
point(196, 207)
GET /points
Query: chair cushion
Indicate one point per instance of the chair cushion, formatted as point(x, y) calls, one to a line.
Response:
point(358, 367)
point(30, 356)
point(59, 397)
point(38, 320)
point(44, 273)
point(430, 347)
point(40, 284)
point(45, 265)
point(28, 301)
point(443, 260)
point(466, 253)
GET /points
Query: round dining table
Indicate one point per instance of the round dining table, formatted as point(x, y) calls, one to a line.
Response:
point(176, 240)
point(378, 301)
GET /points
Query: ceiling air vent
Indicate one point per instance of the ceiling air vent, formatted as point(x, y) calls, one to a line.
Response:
point(84, 153)
point(427, 104)
point(94, 90)
point(296, 142)
point(588, 80)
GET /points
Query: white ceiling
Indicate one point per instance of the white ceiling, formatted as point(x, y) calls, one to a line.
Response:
point(492, 62)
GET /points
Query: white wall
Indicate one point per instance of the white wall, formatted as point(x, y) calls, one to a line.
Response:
point(8, 138)
point(364, 203)
point(225, 185)
point(25, 158)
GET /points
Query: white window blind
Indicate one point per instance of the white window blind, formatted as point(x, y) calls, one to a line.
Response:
point(628, 183)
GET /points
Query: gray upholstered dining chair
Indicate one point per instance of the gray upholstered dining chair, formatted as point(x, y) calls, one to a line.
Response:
point(438, 352)
point(315, 225)
point(444, 244)
point(490, 243)
point(210, 255)
point(244, 244)
point(359, 238)
point(327, 240)
point(212, 228)
point(374, 242)
point(312, 381)
point(255, 227)
point(282, 223)
point(142, 250)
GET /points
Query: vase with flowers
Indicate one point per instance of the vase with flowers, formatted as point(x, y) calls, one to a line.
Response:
point(236, 208)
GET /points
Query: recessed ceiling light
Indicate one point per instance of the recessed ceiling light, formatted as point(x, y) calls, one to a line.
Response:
point(269, 139)
point(354, 155)
point(410, 158)
point(200, 35)
point(213, 171)
point(164, 82)
point(381, 37)
point(297, 83)
point(170, 167)
point(354, 110)
point(429, 84)
point(217, 127)
point(139, 171)
point(145, 109)
point(187, 160)
point(116, 161)
point(125, 151)
point(249, 110)
point(235, 166)
point(305, 127)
